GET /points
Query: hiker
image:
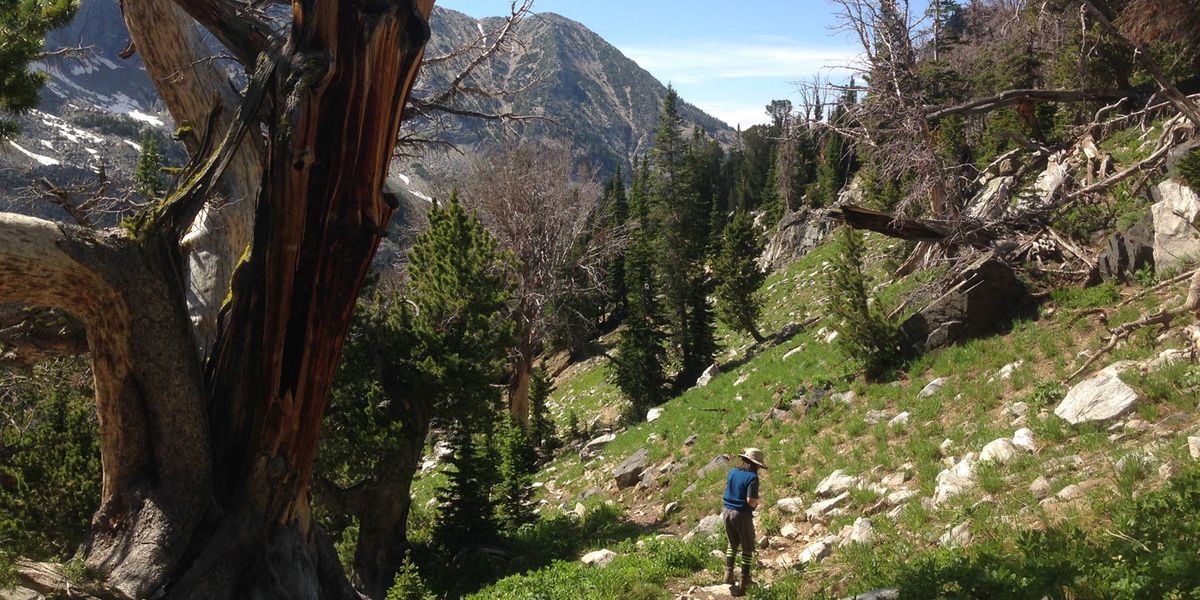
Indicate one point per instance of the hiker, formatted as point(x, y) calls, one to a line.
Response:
point(741, 498)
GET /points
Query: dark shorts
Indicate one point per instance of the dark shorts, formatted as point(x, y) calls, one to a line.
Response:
point(739, 527)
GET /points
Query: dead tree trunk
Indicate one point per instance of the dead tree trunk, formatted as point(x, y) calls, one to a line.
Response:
point(207, 466)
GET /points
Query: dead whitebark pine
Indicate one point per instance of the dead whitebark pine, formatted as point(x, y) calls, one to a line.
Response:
point(207, 463)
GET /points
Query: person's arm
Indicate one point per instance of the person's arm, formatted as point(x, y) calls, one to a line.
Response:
point(752, 494)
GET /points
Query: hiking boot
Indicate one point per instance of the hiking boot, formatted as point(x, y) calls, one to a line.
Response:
point(737, 591)
point(729, 570)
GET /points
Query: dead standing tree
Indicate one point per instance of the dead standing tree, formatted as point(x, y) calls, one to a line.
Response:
point(541, 208)
point(207, 463)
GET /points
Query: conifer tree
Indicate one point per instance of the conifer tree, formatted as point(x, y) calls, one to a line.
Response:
point(148, 178)
point(639, 368)
point(739, 302)
point(867, 337)
point(518, 463)
point(466, 510)
point(23, 26)
point(679, 213)
point(434, 355)
point(542, 432)
point(617, 202)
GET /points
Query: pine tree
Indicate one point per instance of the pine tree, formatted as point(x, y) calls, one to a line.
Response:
point(639, 368)
point(435, 356)
point(23, 26)
point(867, 337)
point(518, 463)
point(739, 302)
point(680, 210)
point(148, 178)
point(542, 432)
point(459, 254)
point(617, 202)
point(466, 510)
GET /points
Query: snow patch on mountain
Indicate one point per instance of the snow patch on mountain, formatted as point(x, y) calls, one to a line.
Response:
point(40, 158)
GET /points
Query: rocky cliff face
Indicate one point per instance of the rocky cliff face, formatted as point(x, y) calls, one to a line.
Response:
point(590, 94)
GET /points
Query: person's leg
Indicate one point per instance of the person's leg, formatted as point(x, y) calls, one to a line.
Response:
point(747, 533)
point(731, 533)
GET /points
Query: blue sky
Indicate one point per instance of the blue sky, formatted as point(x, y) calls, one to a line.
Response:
point(728, 58)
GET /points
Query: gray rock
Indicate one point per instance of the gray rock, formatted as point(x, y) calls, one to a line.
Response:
point(999, 451)
point(989, 297)
point(714, 466)
point(820, 510)
point(959, 536)
point(709, 525)
point(598, 558)
point(691, 440)
point(846, 397)
point(1175, 211)
point(1128, 251)
point(653, 414)
point(874, 417)
point(1040, 488)
point(932, 387)
point(790, 505)
point(899, 420)
point(798, 233)
point(1023, 439)
point(836, 483)
point(1194, 447)
point(630, 470)
point(861, 532)
point(707, 376)
point(880, 594)
point(817, 551)
point(1099, 399)
point(592, 448)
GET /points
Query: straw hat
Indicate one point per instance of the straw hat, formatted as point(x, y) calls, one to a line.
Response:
point(755, 456)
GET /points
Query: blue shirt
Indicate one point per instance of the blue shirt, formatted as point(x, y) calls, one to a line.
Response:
point(740, 484)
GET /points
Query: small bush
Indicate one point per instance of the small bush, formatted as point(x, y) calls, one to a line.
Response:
point(1189, 169)
point(867, 336)
point(408, 584)
point(1102, 295)
point(1154, 557)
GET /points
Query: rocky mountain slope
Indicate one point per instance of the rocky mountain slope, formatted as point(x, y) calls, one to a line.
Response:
point(996, 463)
point(97, 105)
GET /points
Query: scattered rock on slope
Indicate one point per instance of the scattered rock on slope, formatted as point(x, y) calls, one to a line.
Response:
point(598, 558)
point(836, 483)
point(1101, 398)
point(1176, 209)
point(989, 296)
point(593, 448)
point(1128, 251)
point(630, 470)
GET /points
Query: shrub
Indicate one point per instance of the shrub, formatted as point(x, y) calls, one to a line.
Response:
point(408, 584)
point(1154, 557)
point(1189, 169)
point(49, 462)
point(866, 335)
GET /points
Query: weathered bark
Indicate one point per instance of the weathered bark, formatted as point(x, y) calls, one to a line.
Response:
point(149, 391)
point(207, 471)
point(383, 521)
point(347, 69)
point(192, 87)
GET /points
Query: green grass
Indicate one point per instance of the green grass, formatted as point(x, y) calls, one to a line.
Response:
point(804, 449)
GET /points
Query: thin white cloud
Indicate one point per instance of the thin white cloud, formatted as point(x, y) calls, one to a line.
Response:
point(696, 62)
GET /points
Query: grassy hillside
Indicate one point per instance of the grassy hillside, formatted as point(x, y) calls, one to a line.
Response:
point(1103, 470)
